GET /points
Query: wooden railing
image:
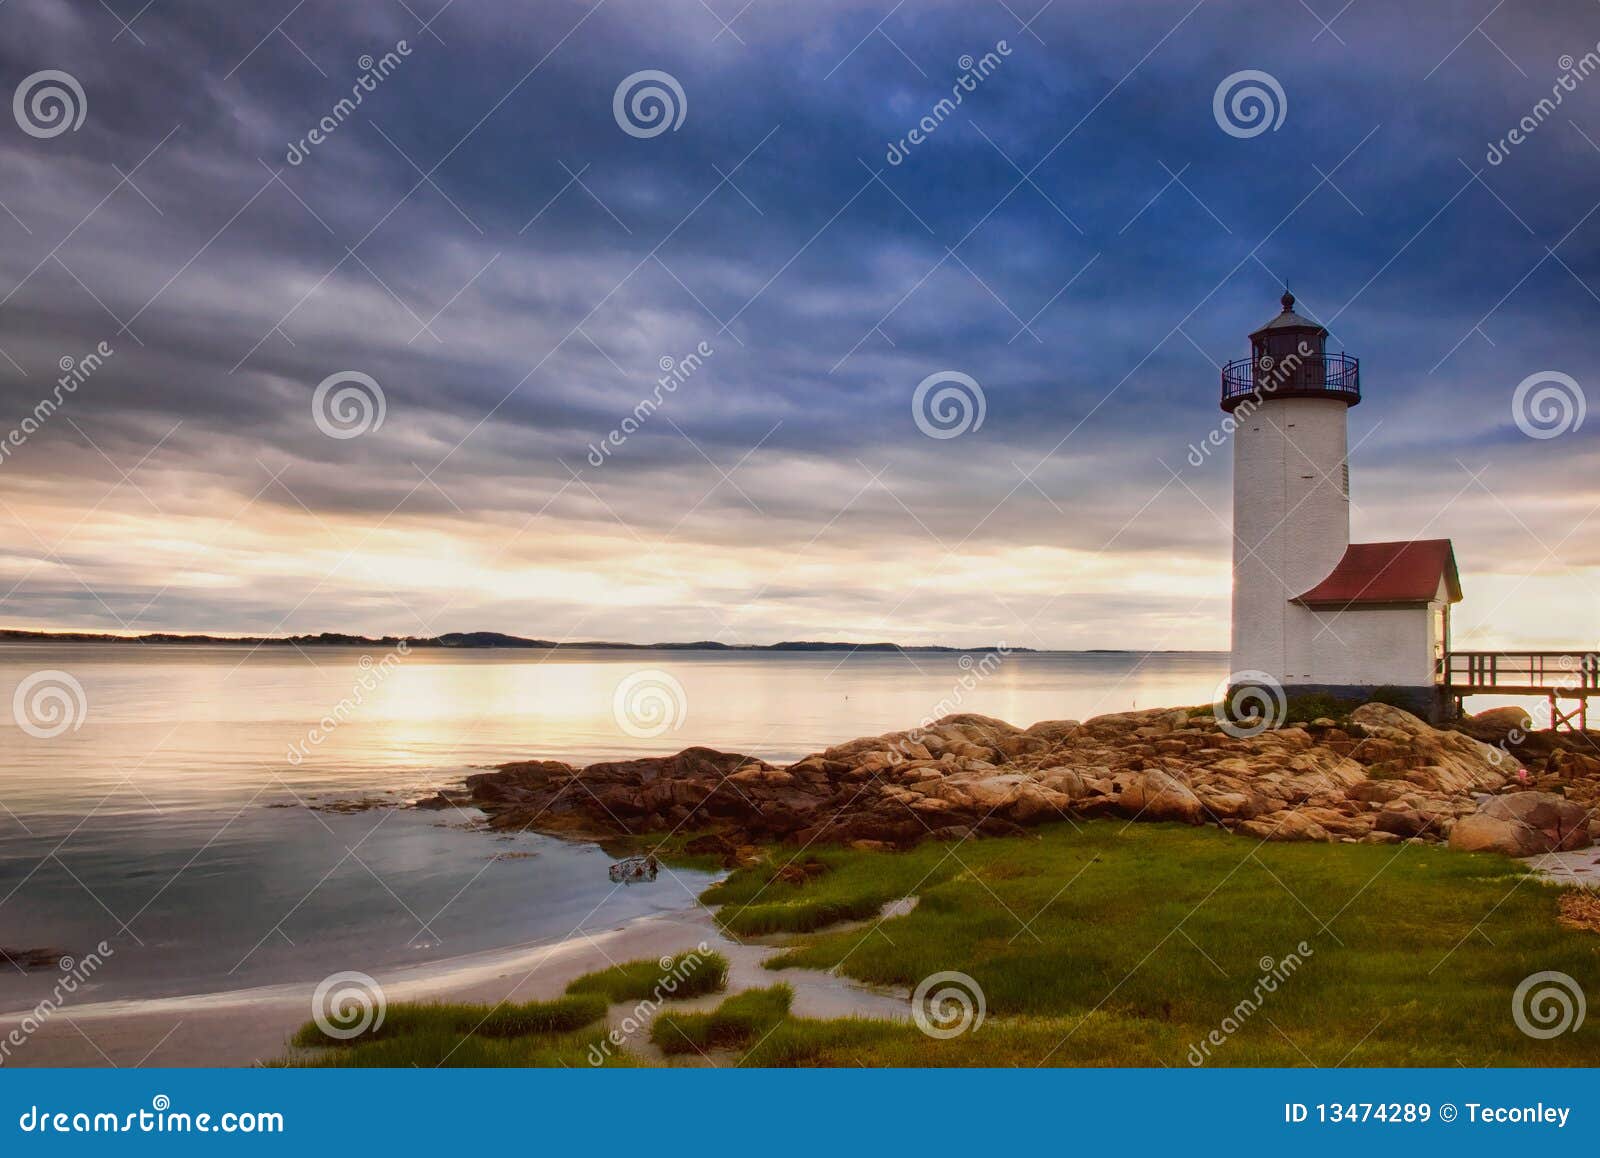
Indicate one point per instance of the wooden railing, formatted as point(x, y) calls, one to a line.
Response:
point(1575, 673)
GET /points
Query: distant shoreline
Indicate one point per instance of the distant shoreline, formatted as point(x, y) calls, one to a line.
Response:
point(482, 639)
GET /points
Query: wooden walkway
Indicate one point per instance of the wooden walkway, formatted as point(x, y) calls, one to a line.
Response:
point(1555, 675)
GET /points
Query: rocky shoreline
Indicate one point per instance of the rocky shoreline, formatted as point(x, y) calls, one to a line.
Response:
point(1381, 776)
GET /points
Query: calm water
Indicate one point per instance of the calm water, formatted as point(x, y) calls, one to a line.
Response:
point(168, 822)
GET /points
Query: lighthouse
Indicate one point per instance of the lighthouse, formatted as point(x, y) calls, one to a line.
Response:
point(1312, 611)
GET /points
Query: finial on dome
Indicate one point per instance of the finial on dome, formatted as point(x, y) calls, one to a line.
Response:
point(1287, 300)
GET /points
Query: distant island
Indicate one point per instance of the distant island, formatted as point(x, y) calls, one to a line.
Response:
point(466, 639)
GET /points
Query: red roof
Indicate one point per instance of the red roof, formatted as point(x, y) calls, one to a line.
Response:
point(1388, 573)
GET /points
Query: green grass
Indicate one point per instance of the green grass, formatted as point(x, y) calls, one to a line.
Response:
point(855, 887)
point(1141, 939)
point(1099, 944)
point(537, 1033)
point(738, 1023)
point(456, 1051)
point(1318, 705)
point(563, 1015)
point(1097, 1039)
point(690, 974)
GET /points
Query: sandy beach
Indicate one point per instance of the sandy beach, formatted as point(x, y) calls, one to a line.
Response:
point(246, 1027)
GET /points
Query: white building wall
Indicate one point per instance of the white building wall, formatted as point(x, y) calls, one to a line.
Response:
point(1291, 523)
point(1372, 646)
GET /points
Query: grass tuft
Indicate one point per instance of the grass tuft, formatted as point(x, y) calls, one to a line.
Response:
point(691, 974)
point(441, 1047)
point(737, 1023)
point(854, 887)
point(563, 1015)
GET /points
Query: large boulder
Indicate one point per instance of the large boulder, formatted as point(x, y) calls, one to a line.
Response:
point(1502, 722)
point(1054, 731)
point(1523, 824)
point(1284, 826)
point(1376, 715)
point(1232, 805)
point(1158, 796)
point(1404, 821)
point(1437, 761)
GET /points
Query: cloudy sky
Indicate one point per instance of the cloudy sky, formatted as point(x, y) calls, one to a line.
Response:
point(486, 240)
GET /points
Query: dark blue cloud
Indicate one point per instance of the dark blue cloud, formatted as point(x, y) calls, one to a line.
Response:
point(1079, 235)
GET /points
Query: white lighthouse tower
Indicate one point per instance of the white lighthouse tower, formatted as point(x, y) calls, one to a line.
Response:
point(1311, 611)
